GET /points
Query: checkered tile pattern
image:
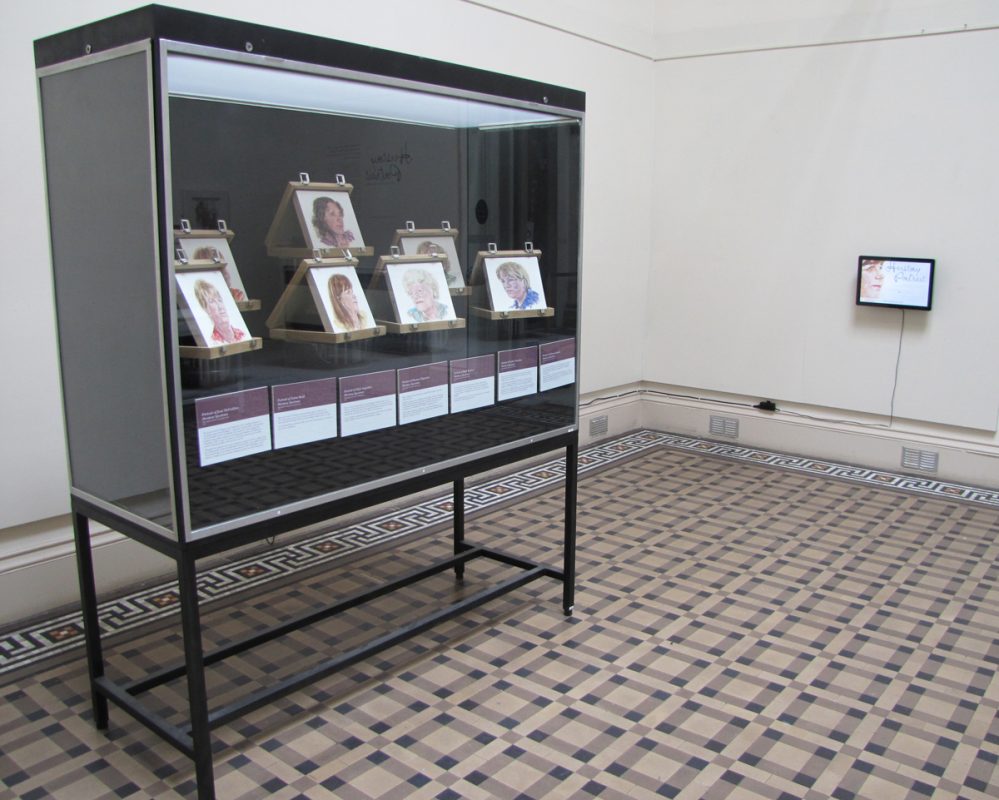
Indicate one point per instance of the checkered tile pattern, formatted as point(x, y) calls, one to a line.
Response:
point(741, 631)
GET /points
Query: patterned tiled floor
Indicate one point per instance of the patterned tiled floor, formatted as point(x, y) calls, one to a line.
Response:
point(741, 631)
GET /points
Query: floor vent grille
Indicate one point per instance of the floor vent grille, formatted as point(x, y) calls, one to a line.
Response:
point(922, 460)
point(598, 425)
point(724, 426)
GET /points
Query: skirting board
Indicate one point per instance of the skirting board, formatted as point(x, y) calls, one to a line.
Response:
point(38, 567)
point(878, 447)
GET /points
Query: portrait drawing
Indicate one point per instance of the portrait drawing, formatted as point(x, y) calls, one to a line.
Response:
point(198, 248)
point(329, 219)
point(419, 292)
point(340, 299)
point(211, 312)
point(515, 283)
point(432, 245)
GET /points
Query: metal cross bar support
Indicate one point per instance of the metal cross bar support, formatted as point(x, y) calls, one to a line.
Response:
point(195, 740)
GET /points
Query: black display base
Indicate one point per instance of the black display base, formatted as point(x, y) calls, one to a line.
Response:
point(194, 740)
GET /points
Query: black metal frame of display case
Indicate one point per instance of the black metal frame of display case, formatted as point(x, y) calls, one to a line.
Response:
point(183, 544)
point(195, 742)
point(163, 22)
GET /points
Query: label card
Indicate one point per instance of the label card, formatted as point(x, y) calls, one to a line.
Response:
point(518, 372)
point(473, 383)
point(232, 425)
point(367, 402)
point(558, 364)
point(422, 392)
point(304, 412)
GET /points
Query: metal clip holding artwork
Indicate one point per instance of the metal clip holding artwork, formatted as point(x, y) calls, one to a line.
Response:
point(185, 225)
point(303, 178)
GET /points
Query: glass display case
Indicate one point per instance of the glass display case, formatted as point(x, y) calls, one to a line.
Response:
point(143, 143)
point(295, 278)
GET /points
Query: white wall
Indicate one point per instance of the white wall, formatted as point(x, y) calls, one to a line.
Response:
point(618, 135)
point(777, 169)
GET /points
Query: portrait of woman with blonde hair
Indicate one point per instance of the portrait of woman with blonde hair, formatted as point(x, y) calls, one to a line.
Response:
point(517, 285)
point(423, 291)
point(223, 331)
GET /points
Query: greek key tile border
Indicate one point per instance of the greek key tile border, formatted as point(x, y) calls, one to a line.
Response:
point(832, 469)
point(61, 634)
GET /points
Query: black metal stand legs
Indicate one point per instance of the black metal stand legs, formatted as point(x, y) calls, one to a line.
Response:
point(197, 694)
point(459, 526)
point(91, 623)
point(196, 742)
point(569, 546)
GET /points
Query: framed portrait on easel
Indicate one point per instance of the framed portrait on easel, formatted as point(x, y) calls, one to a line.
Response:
point(323, 303)
point(514, 283)
point(209, 309)
point(340, 299)
point(411, 294)
point(329, 219)
point(509, 284)
point(419, 292)
point(441, 241)
point(316, 218)
point(213, 245)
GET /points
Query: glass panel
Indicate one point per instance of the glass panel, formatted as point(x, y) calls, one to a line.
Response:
point(252, 84)
point(98, 152)
point(499, 175)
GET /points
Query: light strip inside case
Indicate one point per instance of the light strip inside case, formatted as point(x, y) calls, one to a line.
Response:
point(252, 84)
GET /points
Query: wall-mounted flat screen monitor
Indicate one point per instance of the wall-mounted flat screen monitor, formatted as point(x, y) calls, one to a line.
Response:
point(895, 282)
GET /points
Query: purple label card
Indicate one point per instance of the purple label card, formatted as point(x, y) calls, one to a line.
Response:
point(232, 425)
point(473, 383)
point(423, 392)
point(367, 402)
point(518, 372)
point(558, 364)
point(304, 412)
point(473, 369)
point(516, 360)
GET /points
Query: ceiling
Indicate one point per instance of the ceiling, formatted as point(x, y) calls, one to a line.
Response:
point(668, 29)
